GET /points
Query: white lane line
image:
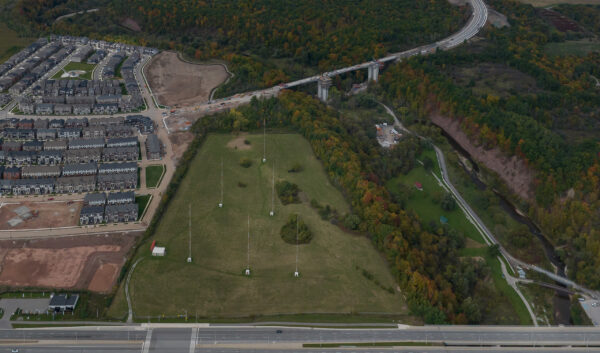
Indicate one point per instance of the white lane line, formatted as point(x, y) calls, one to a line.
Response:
point(193, 339)
point(146, 346)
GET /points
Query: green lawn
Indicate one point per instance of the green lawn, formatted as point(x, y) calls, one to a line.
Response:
point(154, 174)
point(142, 201)
point(572, 47)
point(88, 68)
point(422, 203)
point(214, 285)
point(11, 43)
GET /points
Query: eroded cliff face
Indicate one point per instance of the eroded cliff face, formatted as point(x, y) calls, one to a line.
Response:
point(513, 170)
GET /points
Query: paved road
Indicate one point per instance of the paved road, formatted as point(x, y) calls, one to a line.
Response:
point(451, 335)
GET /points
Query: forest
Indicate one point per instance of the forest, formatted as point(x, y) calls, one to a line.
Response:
point(554, 127)
point(266, 42)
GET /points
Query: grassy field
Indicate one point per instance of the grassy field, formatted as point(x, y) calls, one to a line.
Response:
point(88, 68)
point(422, 201)
point(214, 285)
point(572, 47)
point(11, 43)
point(154, 174)
point(142, 201)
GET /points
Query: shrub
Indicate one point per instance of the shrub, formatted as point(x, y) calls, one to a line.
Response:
point(288, 231)
point(287, 192)
point(296, 168)
point(246, 142)
point(245, 162)
point(241, 184)
point(448, 203)
point(352, 221)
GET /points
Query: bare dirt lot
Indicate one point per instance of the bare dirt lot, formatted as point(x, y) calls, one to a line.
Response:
point(180, 142)
point(84, 262)
point(44, 214)
point(178, 83)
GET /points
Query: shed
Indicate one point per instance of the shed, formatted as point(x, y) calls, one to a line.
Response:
point(158, 251)
point(419, 186)
point(443, 220)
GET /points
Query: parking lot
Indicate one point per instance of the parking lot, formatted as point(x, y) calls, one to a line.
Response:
point(592, 310)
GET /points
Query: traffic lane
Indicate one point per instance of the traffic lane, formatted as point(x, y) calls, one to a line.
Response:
point(402, 350)
point(473, 335)
point(118, 334)
point(71, 349)
point(171, 340)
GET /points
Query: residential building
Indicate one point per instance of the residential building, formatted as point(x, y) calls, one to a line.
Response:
point(110, 154)
point(153, 147)
point(94, 132)
point(107, 182)
point(121, 213)
point(34, 145)
point(86, 143)
point(122, 142)
point(45, 134)
point(118, 198)
point(11, 173)
point(69, 133)
point(55, 145)
point(40, 171)
point(76, 184)
point(87, 155)
point(95, 199)
point(91, 215)
point(80, 169)
point(20, 157)
point(50, 157)
point(32, 186)
point(117, 168)
point(12, 146)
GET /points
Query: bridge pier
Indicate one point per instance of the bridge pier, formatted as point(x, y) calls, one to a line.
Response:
point(373, 72)
point(323, 88)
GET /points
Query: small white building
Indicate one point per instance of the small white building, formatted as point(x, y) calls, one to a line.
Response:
point(159, 251)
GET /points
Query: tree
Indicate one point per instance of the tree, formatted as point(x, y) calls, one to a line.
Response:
point(448, 202)
point(427, 163)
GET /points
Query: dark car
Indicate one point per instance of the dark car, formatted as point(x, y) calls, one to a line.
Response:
point(279, 331)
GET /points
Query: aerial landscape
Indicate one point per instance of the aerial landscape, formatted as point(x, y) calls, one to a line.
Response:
point(307, 176)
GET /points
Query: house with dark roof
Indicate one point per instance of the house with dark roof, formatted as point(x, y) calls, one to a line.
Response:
point(50, 157)
point(122, 142)
point(91, 215)
point(33, 186)
point(87, 155)
point(110, 154)
point(95, 199)
point(115, 168)
point(86, 143)
point(76, 184)
point(121, 213)
point(80, 169)
point(55, 145)
point(118, 198)
point(33, 145)
point(153, 147)
point(40, 171)
point(108, 182)
point(59, 303)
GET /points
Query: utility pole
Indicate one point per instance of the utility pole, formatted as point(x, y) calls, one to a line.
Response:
point(248, 251)
point(296, 274)
point(189, 259)
point(264, 140)
point(272, 213)
point(221, 203)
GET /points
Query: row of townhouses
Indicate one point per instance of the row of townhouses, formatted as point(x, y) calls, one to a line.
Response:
point(56, 157)
point(113, 126)
point(69, 184)
point(114, 207)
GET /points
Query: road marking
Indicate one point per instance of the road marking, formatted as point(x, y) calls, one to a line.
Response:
point(146, 346)
point(193, 339)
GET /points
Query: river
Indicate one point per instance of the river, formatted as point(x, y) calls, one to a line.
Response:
point(562, 304)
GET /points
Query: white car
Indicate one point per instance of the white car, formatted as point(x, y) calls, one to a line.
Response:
point(595, 304)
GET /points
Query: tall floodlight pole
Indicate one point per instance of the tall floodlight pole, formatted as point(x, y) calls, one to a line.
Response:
point(189, 259)
point(273, 194)
point(248, 251)
point(264, 140)
point(221, 203)
point(296, 273)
